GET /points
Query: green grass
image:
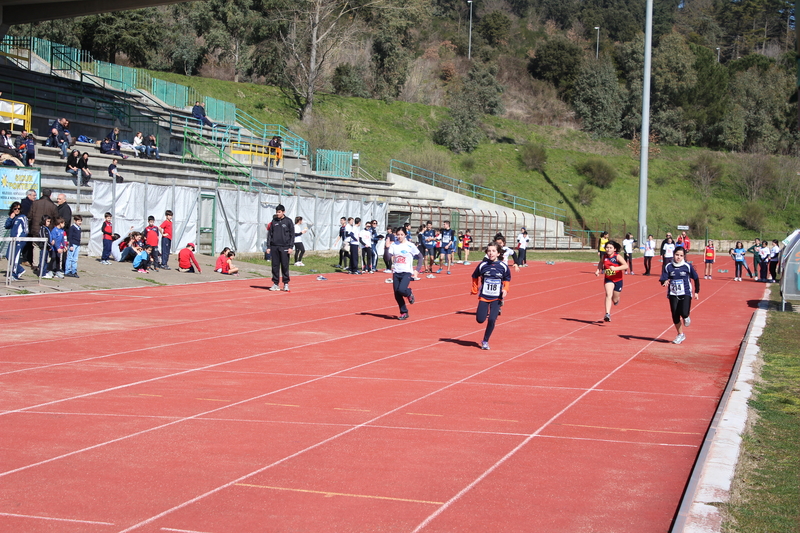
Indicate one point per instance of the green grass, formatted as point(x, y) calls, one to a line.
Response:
point(315, 263)
point(767, 483)
point(382, 131)
point(154, 282)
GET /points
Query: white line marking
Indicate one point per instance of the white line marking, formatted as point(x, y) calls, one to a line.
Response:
point(180, 530)
point(502, 460)
point(50, 518)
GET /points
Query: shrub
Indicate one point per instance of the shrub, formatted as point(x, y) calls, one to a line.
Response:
point(705, 173)
point(534, 156)
point(753, 216)
point(756, 177)
point(349, 81)
point(478, 179)
point(448, 71)
point(429, 158)
point(585, 194)
point(598, 172)
point(700, 221)
point(468, 163)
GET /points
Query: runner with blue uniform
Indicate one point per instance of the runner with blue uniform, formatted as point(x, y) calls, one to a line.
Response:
point(448, 247)
point(678, 277)
point(490, 282)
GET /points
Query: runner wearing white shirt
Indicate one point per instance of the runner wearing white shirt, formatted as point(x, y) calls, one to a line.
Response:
point(649, 253)
point(522, 242)
point(627, 245)
point(403, 253)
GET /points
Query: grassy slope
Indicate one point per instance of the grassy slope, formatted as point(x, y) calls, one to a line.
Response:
point(382, 131)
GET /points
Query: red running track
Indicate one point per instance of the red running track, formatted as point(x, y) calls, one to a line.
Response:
point(223, 407)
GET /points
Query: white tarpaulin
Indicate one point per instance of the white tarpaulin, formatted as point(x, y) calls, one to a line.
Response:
point(239, 219)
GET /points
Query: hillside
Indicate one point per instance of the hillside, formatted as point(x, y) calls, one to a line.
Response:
point(381, 131)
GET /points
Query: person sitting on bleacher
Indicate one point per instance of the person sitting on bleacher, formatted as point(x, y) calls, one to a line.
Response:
point(108, 147)
point(6, 146)
point(113, 173)
point(138, 145)
point(57, 137)
point(199, 112)
point(21, 146)
point(83, 164)
point(152, 147)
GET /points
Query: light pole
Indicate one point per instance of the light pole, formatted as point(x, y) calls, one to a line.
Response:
point(469, 50)
point(597, 50)
point(717, 54)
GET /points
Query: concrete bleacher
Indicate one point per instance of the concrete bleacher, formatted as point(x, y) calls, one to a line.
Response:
point(93, 112)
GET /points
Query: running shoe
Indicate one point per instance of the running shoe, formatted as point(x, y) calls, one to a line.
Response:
point(285, 287)
point(22, 271)
point(679, 339)
point(616, 303)
point(322, 278)
point(387, 271)
point(388, 280)
point(607, 318)
point(430, 276)
point(142, 271)
point(439, 271)
point(275, 288)
point(60, 275)
point(687, 322)
point(49, 275)
point(165, 267)
point(403, 316)
point(411, 299)
point(485, 345)
point(448, 271)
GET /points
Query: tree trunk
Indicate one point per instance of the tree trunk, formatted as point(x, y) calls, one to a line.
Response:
point(308, 106)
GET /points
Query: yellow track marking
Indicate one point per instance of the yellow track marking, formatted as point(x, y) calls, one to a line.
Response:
point(499, 419)
point(422, 414)
point(632, 429)
point(331, 494)
point(282, 404)
point(211, 400)
point(346, 409)
point(154, 395)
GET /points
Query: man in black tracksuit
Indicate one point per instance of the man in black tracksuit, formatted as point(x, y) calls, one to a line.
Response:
point(280, 239)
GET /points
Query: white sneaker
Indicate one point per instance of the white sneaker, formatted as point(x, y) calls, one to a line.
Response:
point(679, 339)
point(387, 271)
point(275, 288)
point(687, 322)
point(286, 287)
point(60, 275)
point(49, 275)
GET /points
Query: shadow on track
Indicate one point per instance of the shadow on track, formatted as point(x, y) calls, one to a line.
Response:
point(462, 342)
point(378, 315)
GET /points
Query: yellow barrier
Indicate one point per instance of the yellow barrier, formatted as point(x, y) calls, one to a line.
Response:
point(272, 154)
point(16, 112)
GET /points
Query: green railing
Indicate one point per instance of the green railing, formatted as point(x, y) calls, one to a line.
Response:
point(476, 191)
point(291, 141)
point(334, 163)
point(223, 164)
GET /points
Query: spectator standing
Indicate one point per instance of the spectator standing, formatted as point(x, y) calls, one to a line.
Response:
point(21, 147)
point(627, 246)
point(44, 255)
point(300, 229)
point(151, 233)
point(662, 249)
point(365, 241)
point(25, 209)
point(342, 237)
point(774, 255)
point(755, 249)
point(166, 238)
point(30, 152)
point(522, 244)
point(199, 112)
point(74, 242)
point(352, 241)
point(187, 262)
point(58, 245)
point(281, 240)
point(42, 207)
point(649, 254)
point(686, 242)
point(601, 244)
point(710, 258)
point(108, 239)
point(18, 224)
point(65, 212)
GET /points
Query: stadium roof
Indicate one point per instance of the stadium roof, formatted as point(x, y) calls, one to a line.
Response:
point(26, 11)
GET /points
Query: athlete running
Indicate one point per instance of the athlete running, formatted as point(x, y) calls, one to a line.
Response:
point(676, 277)
point(612, 266)
point(490, 282)
point(402, 252)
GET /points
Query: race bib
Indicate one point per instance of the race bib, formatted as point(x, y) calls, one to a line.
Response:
point(400, 259)
point(676, 288)
point(609, 272)
point(491, 287)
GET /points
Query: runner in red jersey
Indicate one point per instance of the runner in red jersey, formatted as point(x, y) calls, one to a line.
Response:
point(611, 266)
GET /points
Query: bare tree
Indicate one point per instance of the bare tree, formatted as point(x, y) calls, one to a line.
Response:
point(756, 176)
point(314, 29)
point(705, 173)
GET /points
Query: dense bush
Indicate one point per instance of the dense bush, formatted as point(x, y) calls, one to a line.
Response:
point(585, 194)
point(753, 216)
point(598, 172)
point(349, 81)
point(705, 172)
point(534, 156)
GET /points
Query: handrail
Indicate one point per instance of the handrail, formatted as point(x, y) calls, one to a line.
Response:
point(13, 116)
point(190, 136)
point(476, 191)
point(291, 141)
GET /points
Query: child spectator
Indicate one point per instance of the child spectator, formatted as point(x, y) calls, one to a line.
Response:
point(108, 239)
point(229, 267)
point(138, 145)
point(299, 248)
point(58, 244)
point(222, 260)
point(44, 258)
point(187, 261)
point(74, 240)
point(166, 238)
point(151, 233)
point(141, 262)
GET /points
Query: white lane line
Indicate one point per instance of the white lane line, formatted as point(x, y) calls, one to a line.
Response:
point(536, 433)
point(53, 519)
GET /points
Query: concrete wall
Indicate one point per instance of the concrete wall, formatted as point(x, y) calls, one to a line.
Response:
point(459, 201)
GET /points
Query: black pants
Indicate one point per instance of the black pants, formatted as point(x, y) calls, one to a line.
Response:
point(343, 254)
point(680, 306)
point(764, 269)
point(299, 252)
point(400, 282)
point(353, 258)
point(773, 269)
point(629, 260)
point(488, 310)
point(522, 255)
point(280, 264)
point(366, 258)
point(648, 262)
point(166, 248)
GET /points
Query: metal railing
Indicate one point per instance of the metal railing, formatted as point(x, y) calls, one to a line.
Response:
point(476, 191)
point(16, 112)
point(334, 164)
point(291, 141)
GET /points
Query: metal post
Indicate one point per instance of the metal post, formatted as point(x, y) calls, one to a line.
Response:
point(645, 135)
point(469, 49)
point(597, 49)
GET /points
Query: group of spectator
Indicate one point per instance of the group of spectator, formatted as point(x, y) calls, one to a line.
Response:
point(20, 151)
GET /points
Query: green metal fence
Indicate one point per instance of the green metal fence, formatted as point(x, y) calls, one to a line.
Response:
point(476, 191)
point(291, 141)
point(334, 163)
